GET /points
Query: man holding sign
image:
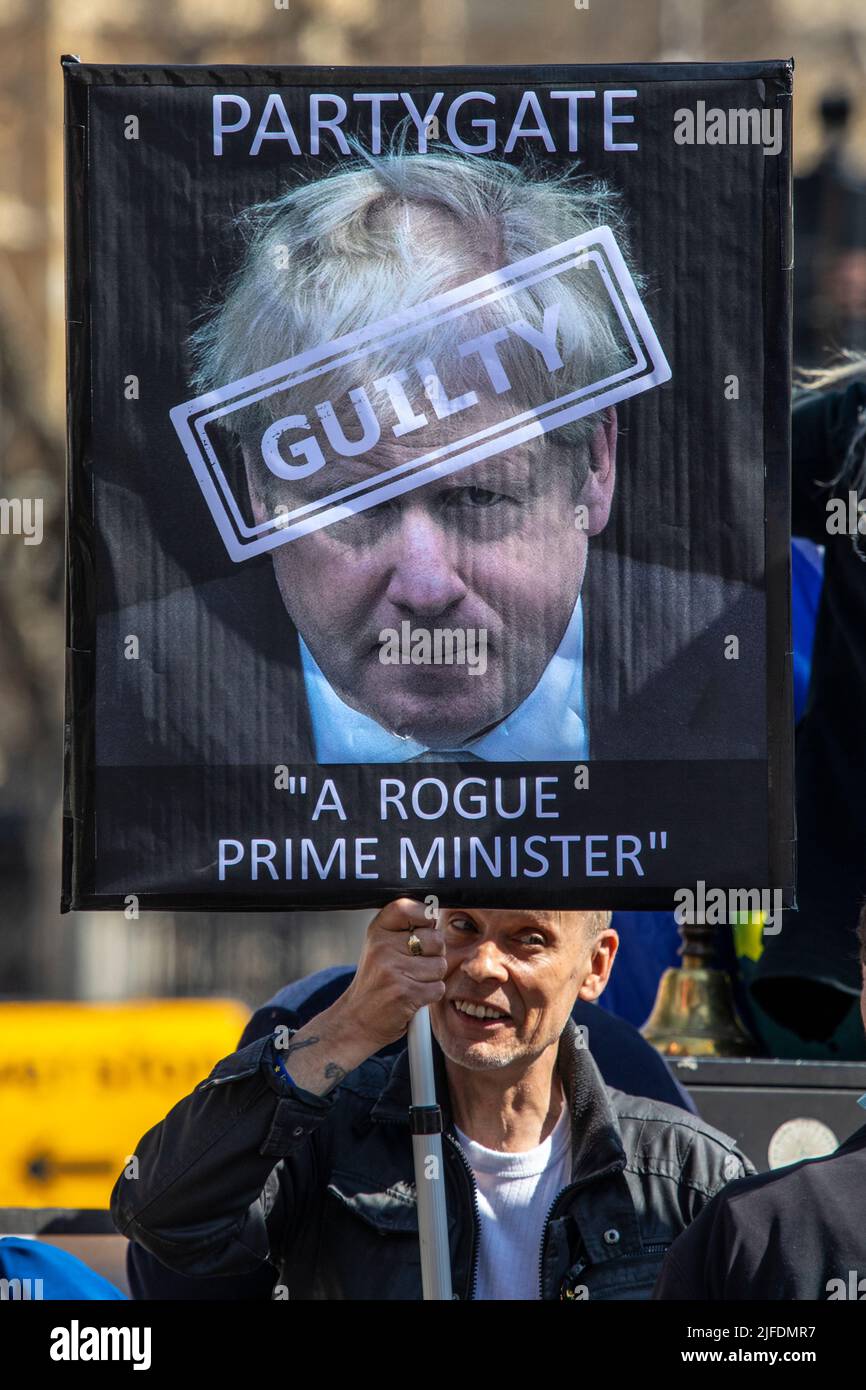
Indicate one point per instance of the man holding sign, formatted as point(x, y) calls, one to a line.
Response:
point(297, 1149)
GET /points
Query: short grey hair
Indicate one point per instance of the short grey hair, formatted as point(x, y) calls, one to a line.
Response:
point(602, 921)
point(593, 921)
point(367, 239)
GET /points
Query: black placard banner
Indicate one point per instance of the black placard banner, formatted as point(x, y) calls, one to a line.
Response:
point(428, 484)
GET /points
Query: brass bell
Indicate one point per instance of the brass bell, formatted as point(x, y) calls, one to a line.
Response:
point(694, 1013)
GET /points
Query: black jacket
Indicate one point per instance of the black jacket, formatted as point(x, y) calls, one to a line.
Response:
point(668, 695)
point(798, 1233)
point(625, 1060)
point(250, 1168)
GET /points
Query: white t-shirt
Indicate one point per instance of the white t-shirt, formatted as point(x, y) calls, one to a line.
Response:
point(515, 1193)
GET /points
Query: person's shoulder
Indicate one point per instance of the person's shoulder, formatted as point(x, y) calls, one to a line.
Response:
point(212, 673)
point(703, 596)
point(643, 1112)
point(790, 1194)
point(720, 1252)
point(677, 691)
point(668, 1141)
point(184, 614)
point(779, 1235)
point(702, 599)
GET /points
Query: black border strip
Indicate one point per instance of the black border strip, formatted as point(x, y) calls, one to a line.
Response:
point(778, 285)
point(255, 75)
point(79, 850)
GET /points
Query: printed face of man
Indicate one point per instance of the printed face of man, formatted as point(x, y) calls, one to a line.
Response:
point(497, 548)
point(526, 968)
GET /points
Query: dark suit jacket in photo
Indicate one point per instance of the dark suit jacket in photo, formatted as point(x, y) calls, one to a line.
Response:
point(218, 678)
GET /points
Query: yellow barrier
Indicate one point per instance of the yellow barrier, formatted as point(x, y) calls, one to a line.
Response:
point(81, 1083)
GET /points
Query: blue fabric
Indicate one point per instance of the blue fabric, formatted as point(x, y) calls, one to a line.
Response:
point(63, 1276)
point(807, 576)
point(648, 944)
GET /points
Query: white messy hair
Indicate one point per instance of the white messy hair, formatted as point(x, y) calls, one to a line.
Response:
point(847, 368)
point(384, 233)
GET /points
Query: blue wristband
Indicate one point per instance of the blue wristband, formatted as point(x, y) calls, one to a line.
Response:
point(281, 1069)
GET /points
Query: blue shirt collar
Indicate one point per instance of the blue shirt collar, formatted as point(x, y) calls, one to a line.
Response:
point(549, 726)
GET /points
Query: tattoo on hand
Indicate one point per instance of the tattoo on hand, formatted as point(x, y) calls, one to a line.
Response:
point(296, 1046)
point(331, 1071)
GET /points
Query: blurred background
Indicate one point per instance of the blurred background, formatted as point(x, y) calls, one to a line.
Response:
point(246, 958)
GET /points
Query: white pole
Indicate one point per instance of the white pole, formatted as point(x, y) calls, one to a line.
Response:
point(426, 1119)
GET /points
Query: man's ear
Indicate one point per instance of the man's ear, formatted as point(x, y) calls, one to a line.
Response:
point(604, 950)
point(260, 512)
point(597, 492)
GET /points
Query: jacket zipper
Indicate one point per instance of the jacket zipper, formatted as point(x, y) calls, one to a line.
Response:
point(544, 1231)
point(476, 1217)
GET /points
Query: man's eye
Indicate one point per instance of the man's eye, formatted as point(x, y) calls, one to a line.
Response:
point(461, 924)
point(367, 526)
point(533, 939)
point(476, 497)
